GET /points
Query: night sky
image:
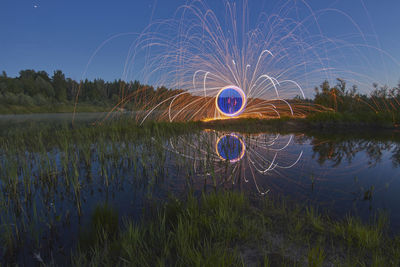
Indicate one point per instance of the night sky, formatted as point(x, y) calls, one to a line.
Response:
point(63, 34)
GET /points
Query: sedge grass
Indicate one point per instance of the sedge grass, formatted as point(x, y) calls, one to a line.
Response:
point(215, 230)
point(231, 229)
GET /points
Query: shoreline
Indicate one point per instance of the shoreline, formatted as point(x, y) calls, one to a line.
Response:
point(298, 124)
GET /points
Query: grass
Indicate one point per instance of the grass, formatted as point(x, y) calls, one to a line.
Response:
point(315, 256)
point(314, 122)
point(189, 233)
point(355, 232)
point(44, 166)
point(232, 229)
point(344, 119)
point(103, 227)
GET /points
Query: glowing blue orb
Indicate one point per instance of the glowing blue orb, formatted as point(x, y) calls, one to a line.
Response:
point(230, 147)
point(230, 101)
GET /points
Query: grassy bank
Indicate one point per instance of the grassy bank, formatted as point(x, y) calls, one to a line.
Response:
point(321, 121)
point(347, 119)
point(231, 229)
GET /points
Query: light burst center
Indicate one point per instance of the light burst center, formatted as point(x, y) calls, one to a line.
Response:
point(230, 101)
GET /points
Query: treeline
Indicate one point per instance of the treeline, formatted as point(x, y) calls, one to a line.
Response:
point(38, 88)
point(340, 98)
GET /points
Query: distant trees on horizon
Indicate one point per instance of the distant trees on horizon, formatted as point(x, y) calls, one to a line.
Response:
point(38, 88)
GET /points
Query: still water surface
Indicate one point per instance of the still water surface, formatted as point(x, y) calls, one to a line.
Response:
point(341, 173)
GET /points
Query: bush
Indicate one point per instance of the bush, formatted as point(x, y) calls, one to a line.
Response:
point(9, 98)
point(41, 100)
point(25, 100)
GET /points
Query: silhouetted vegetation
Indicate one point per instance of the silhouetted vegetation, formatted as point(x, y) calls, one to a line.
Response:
point(342, 99)
point(381, 105)
point(37, 91)
point(37, 88)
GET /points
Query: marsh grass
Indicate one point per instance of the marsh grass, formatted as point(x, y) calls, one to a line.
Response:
point(42, 165)
point(357, 233)
point(103, 226)
point(232, 229)
point(191, 232)
point(314, 123)
point(316, 256)
point(369, 119)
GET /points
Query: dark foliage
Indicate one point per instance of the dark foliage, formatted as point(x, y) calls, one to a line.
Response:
point(37, 88)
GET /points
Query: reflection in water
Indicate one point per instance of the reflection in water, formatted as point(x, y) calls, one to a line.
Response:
point(55, 186)
point(342, 172)
point(230, 147)
point(337, 151)
point(238, 158)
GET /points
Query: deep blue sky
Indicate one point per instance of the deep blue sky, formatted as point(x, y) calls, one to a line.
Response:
point(62, 34)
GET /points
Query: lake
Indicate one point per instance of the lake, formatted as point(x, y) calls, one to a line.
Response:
point(51, 182)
